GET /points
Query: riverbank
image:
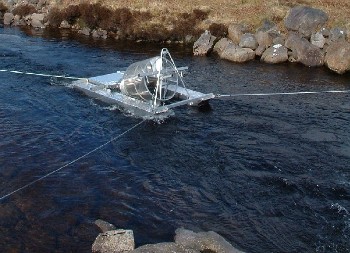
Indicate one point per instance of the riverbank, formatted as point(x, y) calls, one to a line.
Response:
point(262, 27)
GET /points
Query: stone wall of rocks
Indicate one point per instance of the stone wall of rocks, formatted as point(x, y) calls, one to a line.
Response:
point(306, 41)
point(185, 241)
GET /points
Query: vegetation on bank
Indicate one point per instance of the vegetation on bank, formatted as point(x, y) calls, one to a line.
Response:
point(131, 24)
point(225, 12)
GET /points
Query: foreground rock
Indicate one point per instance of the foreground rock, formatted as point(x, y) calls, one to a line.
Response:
point(119, 240)
point(203, 241)
point(186, 241)
point(204, 44)
point(303, 51)
point(305, 20)
point(165, 247)
point(338, 57)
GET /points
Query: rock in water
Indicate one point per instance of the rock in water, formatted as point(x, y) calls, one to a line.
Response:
point(165, 247)
point(275, 54)
point(305, 20)
point(8, 18)
point(115, 241)
point(203, 241)
point(104, 225)
point(235, 53)
point(204, 44)
point(303, 51)
point(338, 57)
point(37, 20)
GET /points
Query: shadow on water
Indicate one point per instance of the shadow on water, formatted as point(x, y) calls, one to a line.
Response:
point(270, 174)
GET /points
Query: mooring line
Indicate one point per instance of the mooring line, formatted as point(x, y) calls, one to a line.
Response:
point(70, 163)
point(40, 74)
point(281, 93)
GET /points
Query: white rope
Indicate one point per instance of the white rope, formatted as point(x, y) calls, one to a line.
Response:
point(70, 163)
point(40, 74)
point(281, 93)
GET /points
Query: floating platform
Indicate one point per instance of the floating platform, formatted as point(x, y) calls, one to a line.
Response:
point(149, 88)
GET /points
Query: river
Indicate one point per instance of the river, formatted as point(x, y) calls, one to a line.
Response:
point(269, 173)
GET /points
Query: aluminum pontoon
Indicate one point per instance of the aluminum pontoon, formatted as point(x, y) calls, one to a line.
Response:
point(147, 88)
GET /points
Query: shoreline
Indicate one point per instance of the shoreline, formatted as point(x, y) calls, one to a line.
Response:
point(301, 34)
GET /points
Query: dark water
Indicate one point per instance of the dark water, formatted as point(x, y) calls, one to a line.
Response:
point(270, 174)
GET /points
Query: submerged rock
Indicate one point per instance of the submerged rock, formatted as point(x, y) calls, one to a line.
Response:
point(104, 225)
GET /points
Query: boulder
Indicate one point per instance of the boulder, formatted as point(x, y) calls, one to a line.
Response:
point(165, 247)
point(336, 34)
point(266, 26)
point(303, 51)
point(260, 50)
point(85, 31)
point(203, 241)
point(104, 225)
point(275, 54)
point(325, 32)
point(119, 240)
point(99, 33)
point(8, 18)
point(221, 45)
point(278, 40)
point(204, 44)
point(263, 38)
point(235, 32)
point(318, 40)
point(18, 21)
point(229, 51)
point(338, 57)
point(65, 25)
point(37, 20)
point(305, 20)
point(248, 40)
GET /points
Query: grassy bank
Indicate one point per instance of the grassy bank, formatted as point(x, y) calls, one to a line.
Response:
point(227, 11)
